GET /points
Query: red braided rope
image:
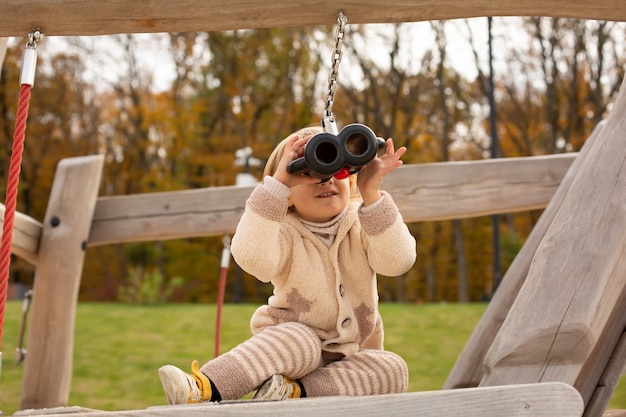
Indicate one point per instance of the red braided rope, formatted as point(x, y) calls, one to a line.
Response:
point(11, 197)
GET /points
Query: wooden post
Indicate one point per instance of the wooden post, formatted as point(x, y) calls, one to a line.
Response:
point(609, 380)
point(48, 365)
point(570, 313)
point(468, 370)
point(3, 50)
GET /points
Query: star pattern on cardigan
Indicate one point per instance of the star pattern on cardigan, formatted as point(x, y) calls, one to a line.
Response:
point(298, 303)
point(366, 327)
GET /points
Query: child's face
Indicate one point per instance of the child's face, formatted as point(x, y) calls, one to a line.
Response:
point(319, 203)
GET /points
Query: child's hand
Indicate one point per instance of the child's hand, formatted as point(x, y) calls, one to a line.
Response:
point(370, 177)
point(294, 149)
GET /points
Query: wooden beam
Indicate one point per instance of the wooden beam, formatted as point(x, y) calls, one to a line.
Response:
point(48, 365)
point(569, 315)
point(458, 190)
point(425, 192)
point(26, 235)
point(532, 400)
point(468, 370)
point(101, 17)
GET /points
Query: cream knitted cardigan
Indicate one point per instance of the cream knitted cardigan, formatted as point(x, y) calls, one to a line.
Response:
point(332, 289)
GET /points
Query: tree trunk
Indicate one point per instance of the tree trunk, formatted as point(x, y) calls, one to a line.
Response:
point(459, 243)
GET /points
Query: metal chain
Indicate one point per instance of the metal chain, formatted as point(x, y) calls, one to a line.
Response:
point(342, 21)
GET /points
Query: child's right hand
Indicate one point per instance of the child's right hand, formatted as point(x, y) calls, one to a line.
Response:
point(294, 149)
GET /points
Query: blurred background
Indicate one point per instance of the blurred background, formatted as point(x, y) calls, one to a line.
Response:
point(174, 111)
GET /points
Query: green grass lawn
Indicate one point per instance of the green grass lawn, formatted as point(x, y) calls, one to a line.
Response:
point(118, 348)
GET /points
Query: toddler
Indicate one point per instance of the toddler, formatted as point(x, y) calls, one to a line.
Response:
point(320, 244)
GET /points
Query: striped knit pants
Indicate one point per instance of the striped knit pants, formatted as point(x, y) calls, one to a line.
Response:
point(294, 350)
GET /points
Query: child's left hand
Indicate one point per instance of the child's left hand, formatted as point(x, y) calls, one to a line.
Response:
point(370, 177)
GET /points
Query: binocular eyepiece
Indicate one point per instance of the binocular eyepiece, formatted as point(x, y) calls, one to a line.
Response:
point(326, 154)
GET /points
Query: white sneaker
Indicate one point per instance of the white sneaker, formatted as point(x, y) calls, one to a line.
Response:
point(278, 387)
point(183, 388)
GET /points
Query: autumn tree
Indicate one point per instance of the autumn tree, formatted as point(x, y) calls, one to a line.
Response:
point(244, 88)
point(561, 76)
point(555, 80)
point(63, 117)
point(427, 110)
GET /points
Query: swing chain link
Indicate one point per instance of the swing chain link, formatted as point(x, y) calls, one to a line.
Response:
point(342, 21)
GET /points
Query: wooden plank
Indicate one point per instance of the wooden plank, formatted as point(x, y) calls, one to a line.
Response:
point(426, 192)
point(48, 365)
point(571, 311)
point(100, 17)
point(457, 190)
point(168, 215)
point(609, 380)
point(535, 400)
point(26, 235)
point(468, 370)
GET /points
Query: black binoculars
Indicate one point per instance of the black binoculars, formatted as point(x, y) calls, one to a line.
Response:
point(326, 154)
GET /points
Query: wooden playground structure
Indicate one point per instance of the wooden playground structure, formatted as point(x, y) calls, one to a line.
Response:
point(551, 342)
